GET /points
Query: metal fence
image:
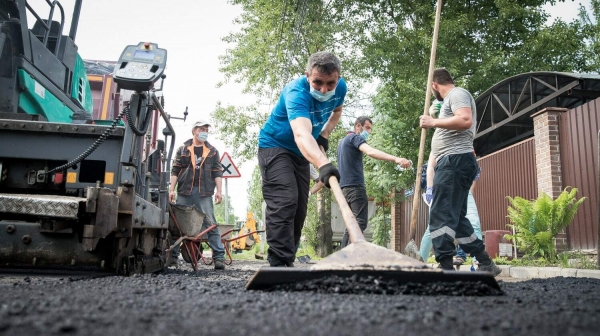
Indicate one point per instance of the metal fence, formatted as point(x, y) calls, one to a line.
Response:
point(508, 172)
point(579, 160)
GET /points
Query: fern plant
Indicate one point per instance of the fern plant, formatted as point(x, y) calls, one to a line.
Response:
point(538, 222)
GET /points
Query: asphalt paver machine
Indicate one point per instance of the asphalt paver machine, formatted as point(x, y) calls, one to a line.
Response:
point(74, 192)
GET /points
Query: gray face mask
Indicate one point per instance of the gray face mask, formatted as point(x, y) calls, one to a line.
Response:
point(202, 136)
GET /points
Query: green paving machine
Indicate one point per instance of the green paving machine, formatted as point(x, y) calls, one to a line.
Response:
point(75, 193)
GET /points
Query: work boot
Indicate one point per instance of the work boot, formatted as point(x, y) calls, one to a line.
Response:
point(219, 264)
point(486, 264)
point(491, 267)
point(446, 264)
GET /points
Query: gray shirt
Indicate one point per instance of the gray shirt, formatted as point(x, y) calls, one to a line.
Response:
point(448, 142)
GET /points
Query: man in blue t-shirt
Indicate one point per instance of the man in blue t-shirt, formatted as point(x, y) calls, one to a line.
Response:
point(350, 163)
point(308, 109)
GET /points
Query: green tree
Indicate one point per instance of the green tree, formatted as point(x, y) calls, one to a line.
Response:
point(255, 197)
point(388, 42)
point(220, 212)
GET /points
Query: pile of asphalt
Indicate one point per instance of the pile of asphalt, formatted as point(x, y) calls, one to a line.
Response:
point(378, 285)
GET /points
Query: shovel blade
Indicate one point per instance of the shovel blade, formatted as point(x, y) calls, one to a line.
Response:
point(267, 277)
point(365, 259)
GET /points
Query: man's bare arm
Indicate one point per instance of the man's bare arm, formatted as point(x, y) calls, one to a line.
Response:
point(462, 120)
point(302, 128)
point(379, 155)
point(431, 170)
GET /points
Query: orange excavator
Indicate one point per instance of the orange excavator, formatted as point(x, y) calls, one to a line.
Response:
point(247, 235)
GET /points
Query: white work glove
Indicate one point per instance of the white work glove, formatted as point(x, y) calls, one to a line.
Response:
point(435, 107)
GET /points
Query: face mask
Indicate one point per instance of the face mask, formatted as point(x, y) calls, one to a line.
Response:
point(364, 134)
point(320, 96)
point(202, 136)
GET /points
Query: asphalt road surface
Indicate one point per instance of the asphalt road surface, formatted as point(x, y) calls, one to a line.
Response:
point(209, 302)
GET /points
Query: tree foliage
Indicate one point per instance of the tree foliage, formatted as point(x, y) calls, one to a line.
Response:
point(255, 197)
point(388, 43)
point(220, 212)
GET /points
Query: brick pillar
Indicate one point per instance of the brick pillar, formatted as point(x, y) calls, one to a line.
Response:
point(547, 150)
point(397, 218)
point(547, 157)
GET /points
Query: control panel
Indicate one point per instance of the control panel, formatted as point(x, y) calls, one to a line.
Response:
point(140, 66)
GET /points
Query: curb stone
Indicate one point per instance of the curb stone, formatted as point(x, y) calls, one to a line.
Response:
point(520, 272)
point(585, 273)
point(524, 272)
point(549, 272)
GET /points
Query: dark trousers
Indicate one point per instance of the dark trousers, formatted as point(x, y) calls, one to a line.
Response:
point(356, 196)
point(453, 177)
point(285, 179)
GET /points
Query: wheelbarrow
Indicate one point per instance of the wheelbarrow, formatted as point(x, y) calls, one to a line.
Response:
point(187, 221)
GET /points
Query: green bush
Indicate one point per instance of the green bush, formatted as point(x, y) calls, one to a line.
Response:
point(538, 222)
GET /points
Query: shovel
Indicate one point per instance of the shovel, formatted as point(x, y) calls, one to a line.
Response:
point(362, 258)
point(411, 249)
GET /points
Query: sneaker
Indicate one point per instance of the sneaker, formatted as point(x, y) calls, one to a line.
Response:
point(491, 268)
point(219, 264)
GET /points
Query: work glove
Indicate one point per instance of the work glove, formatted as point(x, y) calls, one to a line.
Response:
point(435, 107)
point(326, 171)
point(429, 195)
point(324, 142)
point(477, 175)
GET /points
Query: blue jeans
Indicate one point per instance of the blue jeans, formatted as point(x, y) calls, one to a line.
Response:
point(205, 205)
point(472, 216)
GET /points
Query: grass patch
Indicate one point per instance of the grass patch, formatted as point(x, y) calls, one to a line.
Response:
point(569, 259)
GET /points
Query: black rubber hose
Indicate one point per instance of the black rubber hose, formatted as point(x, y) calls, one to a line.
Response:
point(93, 147)
point(144, 125)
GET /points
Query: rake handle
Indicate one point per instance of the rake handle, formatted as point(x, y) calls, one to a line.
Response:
point(416, 198)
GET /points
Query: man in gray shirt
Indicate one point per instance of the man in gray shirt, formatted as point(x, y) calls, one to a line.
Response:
point(452, 147)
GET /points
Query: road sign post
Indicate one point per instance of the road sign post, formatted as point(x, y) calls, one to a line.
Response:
point(229, 171)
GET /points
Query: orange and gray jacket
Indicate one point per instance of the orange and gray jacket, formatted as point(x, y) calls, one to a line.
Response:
point(184, 167)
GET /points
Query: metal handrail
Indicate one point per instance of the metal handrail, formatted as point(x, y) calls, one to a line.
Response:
point(46, 25)
point(168, 123)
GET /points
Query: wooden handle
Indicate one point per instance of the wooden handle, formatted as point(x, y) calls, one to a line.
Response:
point(351, 224)
point(349, 219)
point(416, 196)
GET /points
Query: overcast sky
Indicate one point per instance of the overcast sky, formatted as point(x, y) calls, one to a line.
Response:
point(191, 31)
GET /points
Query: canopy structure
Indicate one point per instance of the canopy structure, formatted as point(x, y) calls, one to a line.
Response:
point(504, 111)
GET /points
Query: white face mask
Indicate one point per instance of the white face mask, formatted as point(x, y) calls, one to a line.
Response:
point(202, 136)
point(322, 97)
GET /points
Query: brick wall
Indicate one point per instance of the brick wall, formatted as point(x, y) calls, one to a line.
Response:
point(547, 156)
point(397, 218)
point(547, 150)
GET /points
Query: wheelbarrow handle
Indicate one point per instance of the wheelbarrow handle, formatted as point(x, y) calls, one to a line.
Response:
point(349, 219)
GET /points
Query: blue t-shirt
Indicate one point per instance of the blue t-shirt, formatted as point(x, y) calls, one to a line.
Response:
point(295, 101)
point(350, 161)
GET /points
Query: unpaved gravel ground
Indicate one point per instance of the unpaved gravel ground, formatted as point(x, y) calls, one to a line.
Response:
point(208, 302)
